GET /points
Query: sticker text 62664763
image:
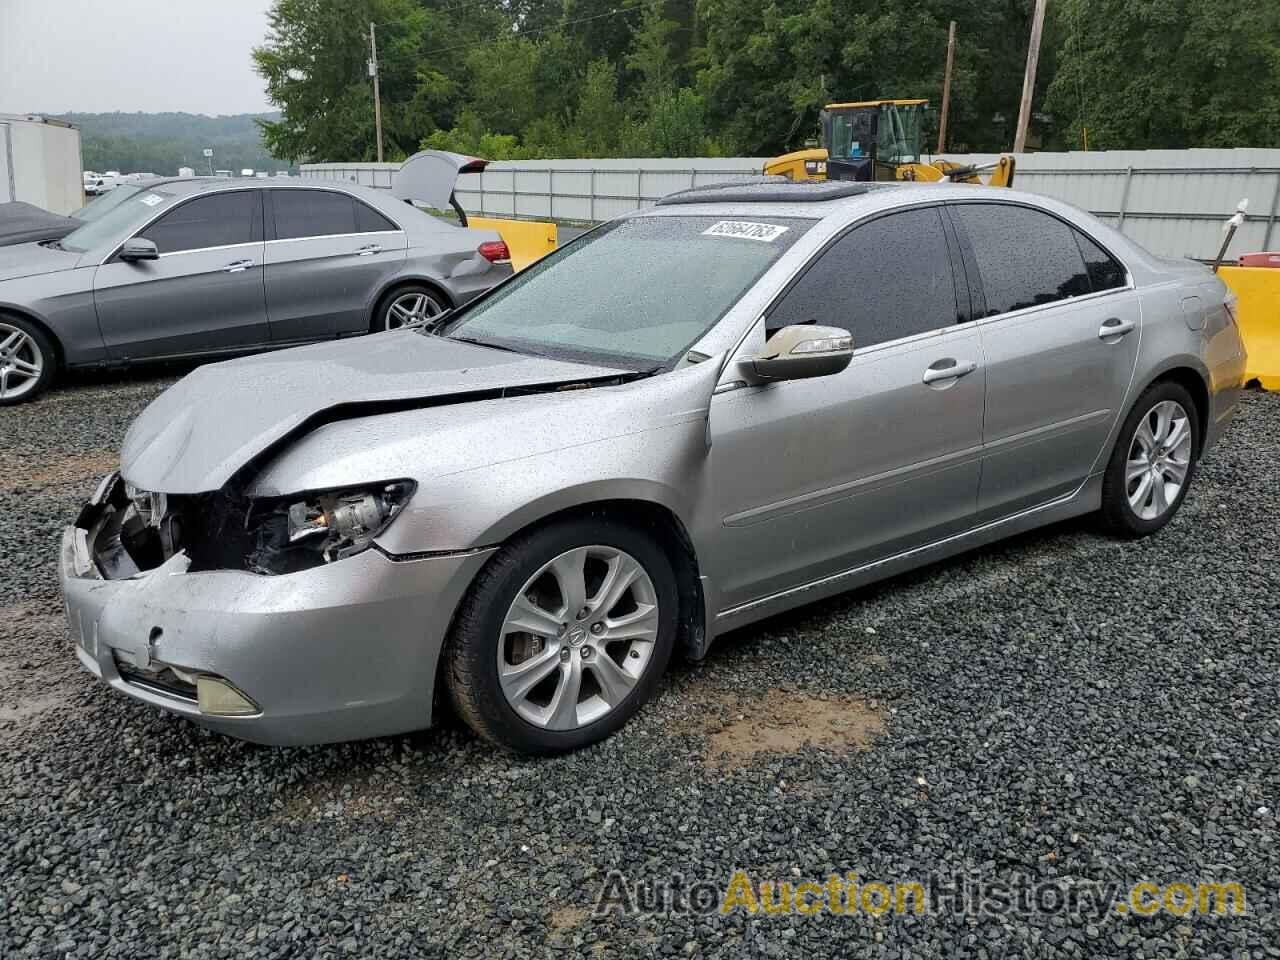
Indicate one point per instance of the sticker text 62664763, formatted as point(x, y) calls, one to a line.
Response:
point(745, 230)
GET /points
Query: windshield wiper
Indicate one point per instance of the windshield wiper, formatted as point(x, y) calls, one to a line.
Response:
point(52, 244)
point(493, 346)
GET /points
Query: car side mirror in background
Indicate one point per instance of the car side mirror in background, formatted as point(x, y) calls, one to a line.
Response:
point(139, 248)
point(799, 352)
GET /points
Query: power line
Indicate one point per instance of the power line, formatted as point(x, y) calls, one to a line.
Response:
point(515, 35)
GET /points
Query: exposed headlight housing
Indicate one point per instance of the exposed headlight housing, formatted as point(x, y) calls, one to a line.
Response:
point(295, 533)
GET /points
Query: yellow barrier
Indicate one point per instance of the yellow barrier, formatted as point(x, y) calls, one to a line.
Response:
point(528, 240)
point(1258, 289)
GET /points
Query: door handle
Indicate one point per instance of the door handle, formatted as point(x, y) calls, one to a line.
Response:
point(1115, 327)
point(368, 250)
point(948, 369)
point(237, 266)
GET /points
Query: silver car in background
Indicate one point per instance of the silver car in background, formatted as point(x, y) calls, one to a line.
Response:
point(180, 268)
point(743, 399)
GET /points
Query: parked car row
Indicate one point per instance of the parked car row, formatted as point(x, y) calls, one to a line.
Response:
point(194, 267)
point(740, 400)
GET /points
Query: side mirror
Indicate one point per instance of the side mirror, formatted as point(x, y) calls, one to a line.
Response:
point(139, 248)
point(799, 352)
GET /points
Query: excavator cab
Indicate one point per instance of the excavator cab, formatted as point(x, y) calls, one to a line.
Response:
point(880, 140)
point(871, 139)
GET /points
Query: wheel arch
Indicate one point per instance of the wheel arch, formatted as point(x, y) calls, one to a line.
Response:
point(661, 521)
point(59, 352)
point(1195, 380)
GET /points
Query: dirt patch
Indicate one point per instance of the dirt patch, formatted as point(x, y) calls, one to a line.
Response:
point(36, 667)
point(567, 917)
point(82, 468)
point(782, 722)
point(353, 798)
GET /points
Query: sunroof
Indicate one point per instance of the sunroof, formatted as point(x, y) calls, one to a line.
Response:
point(773, 190)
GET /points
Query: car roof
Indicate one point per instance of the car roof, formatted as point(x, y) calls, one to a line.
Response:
point(189, 186)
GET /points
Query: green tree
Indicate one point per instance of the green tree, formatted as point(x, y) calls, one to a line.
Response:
point(1196, 73)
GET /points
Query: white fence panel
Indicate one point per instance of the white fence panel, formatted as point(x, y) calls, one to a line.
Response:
point(1171, 201)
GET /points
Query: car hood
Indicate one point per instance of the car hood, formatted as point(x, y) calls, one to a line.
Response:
point(26, 223)
point(27, 259)
point(198, 433)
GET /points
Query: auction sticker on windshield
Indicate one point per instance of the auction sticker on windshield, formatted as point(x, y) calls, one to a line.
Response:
point(746, 230)
point(151, 199)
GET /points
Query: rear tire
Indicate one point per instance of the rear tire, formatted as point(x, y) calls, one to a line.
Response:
point(413, 303)
point(1153, 463)
point(28, 360)
point(594, 652)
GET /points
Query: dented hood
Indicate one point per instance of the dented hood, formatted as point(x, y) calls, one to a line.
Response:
point(199, 432)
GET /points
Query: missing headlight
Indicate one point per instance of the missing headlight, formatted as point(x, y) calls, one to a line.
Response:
point(312, 529)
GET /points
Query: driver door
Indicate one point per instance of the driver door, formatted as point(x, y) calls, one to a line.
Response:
point(816, 477)
point(204, 294)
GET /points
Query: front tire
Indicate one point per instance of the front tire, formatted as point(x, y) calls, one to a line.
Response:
point(1153, 463)
point(563, 636)
point(28, 360)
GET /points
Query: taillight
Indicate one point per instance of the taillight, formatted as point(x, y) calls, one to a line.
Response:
point(495, 251)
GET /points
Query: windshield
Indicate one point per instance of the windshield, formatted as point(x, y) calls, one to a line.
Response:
point(100, 205)
point(118, 222)
point(634, 294)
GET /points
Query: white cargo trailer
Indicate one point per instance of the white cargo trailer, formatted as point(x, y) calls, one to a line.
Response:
point(40, 162)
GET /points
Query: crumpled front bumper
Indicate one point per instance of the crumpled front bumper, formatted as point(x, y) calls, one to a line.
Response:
point(340, 652)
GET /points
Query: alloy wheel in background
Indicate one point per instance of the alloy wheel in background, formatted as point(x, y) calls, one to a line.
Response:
point(578, 637)
point(1159, 460)
point(22, 362)
point(410, 307)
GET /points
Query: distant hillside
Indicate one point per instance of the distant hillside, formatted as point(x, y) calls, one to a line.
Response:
point(163, 142)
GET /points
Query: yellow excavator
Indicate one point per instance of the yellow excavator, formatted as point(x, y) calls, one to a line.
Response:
point(880, 140)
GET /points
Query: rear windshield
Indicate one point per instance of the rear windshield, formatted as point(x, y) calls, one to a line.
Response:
point(635, 294)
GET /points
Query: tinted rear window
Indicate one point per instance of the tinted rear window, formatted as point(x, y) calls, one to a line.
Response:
point(1025, 257)
point(1105, 273)
point(313, 213)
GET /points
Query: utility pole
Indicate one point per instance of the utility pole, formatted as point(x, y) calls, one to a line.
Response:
point(377, 99)
point(946, 88)
point(1029, 78)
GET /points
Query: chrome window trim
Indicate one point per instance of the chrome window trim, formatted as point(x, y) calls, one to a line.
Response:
point(1017, 202)
point(1040, 307)
point(839, 234)
point(974, 323)
point(334, 236)
point(225, 246)
point(399, 228)
point(239, 188)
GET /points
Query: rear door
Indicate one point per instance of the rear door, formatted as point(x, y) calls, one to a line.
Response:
point(1060, 332)
point(205, 292)
point(327, 254)
point(816, 477)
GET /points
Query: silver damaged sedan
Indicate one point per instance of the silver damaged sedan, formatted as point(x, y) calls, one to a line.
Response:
point(743, 399)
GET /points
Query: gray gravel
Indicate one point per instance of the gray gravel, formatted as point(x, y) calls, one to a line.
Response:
point(1061, 708)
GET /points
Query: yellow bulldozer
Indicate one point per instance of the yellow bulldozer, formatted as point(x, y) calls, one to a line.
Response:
point(880, 140)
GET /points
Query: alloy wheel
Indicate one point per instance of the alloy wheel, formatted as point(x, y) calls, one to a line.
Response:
point(1159, 460)
point(410, 308)
point(578, 637)
point(21, 362)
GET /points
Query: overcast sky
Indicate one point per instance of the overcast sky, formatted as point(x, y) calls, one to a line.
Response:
point(92, 56)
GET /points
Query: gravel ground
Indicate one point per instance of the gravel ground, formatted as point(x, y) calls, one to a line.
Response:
point(1060, 709)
